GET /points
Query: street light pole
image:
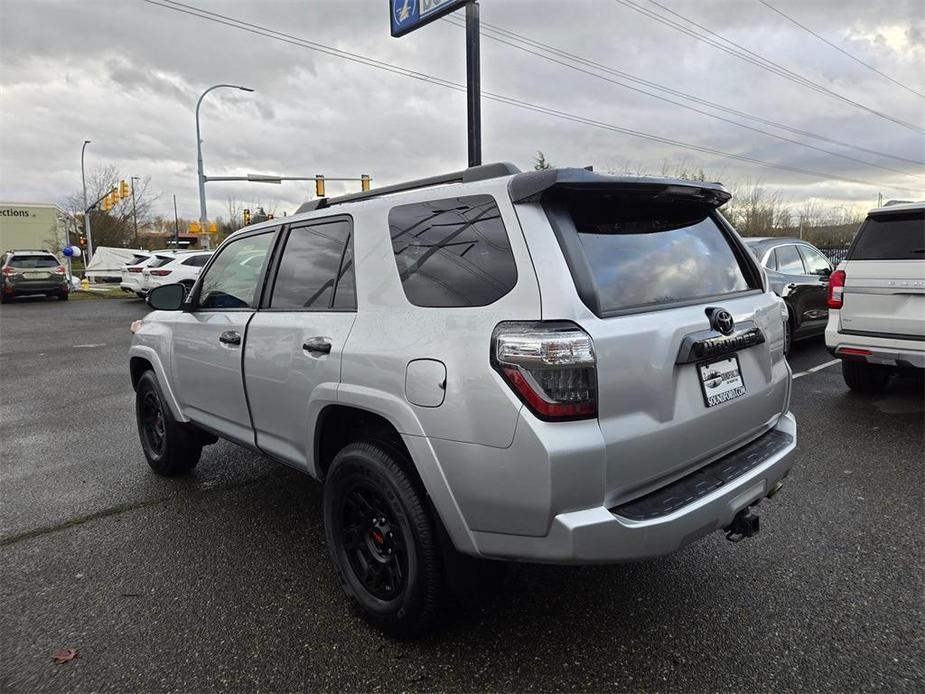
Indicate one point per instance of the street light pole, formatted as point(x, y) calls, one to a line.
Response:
point(203, 216)
point(134, 213)
point(83, 178)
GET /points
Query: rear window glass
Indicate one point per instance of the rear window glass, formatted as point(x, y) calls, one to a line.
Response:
point(453, 252)
point(160, 260)
point(30, 261)
point(899, 236)
point(642, 253)
point(197, 260)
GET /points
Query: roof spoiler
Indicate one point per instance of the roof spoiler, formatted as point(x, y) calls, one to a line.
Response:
point(530, 186)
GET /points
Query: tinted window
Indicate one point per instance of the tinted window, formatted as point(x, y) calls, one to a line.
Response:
point(31, 261)
point(643, 252)
point(452, 252)
point(197, 260)
point(771, 263)
point(316, 270)
point(789, 261)
point(231, 281)
point(899, 236)
point(815, 262)
point(160, 260)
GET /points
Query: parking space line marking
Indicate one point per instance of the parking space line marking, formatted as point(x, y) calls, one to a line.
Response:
point(813, 370)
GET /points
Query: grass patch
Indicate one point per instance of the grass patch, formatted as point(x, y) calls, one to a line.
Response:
point(100, 293)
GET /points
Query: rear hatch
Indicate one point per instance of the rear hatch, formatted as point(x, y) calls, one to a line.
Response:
point(38, 269)
point(885, 277)
point(663, 274)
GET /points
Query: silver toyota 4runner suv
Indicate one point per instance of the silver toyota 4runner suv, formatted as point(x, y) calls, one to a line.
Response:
point(553, 366)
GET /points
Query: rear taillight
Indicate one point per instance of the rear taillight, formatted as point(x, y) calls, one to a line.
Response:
point(160, 273)
point(836, 291)
point(60, 270)
point(550, 365)
point(134, 269)
point(9, 271)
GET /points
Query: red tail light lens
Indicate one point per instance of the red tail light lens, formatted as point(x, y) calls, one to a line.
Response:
point(60, 270)
point(836, 291)
point(134, 269)
point(9, 271)
point(550, 365)
point(160, 273)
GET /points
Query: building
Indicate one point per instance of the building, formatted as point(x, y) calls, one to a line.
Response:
point(28, 225)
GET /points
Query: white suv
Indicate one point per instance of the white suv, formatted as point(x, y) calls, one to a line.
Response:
point(174, 268)
point(876, 299)
point(131, 274)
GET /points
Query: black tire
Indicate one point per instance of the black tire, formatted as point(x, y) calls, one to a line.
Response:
point(170, 448)
point(383, 541)
point(63, 296)
point(5, 298)
point(788, 337)
point(865, 378)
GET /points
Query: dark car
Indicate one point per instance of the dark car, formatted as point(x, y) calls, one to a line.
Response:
point(32, 272)
point(799, 273)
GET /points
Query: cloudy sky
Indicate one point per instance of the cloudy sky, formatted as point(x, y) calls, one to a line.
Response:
point(126, 75)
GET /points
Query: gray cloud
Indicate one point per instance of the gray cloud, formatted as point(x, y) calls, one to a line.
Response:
point(127, 76)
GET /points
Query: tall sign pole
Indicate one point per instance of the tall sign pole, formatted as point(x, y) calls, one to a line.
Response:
point(473, 84)
point(408, 15)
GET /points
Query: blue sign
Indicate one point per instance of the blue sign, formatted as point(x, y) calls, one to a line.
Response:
point(408, 15)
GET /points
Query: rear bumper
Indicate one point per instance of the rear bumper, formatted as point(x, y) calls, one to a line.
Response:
point(602, 535)
point(884, 351)
point(36, 287)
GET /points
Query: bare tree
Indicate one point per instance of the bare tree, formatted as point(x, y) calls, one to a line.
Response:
point(115, 227)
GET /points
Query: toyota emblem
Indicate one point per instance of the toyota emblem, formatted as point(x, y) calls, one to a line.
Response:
point(722, 321)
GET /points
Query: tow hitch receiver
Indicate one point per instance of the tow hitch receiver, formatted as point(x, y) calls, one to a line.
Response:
point(745, 524)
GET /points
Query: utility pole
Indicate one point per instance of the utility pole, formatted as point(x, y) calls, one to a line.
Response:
point(134, 213)
point(176, 226)
point(473, 84)
point(83, 178)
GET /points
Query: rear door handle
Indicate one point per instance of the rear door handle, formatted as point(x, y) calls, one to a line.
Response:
point(317, 345)
point(230, 337)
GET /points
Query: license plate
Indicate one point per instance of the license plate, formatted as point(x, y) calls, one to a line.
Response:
point(35, 275)
point(721, 381)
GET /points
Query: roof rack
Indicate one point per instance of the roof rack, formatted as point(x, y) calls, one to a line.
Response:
point(470, 175)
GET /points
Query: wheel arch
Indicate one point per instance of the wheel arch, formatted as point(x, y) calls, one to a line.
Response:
point(141, 359)
point(341, 423)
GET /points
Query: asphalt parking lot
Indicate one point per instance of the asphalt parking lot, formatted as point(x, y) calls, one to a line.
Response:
point(221, 580)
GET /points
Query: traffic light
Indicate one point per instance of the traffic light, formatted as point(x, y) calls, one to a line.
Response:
point(107, 203)
point(114, 194)
point(364, 182)
point(82, 240)
point(123, 189)
point(213, 228)
point(246, 214)
point(319, 186)
point(194, 228)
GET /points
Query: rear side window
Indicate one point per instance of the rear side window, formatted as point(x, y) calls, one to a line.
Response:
point(453, 252)
point(197, 261)
point(815, 262)
point(789, 261)
point(316, 270)
point(899, 236)
point(160, 260)
point(630, 253)
point(32, 261)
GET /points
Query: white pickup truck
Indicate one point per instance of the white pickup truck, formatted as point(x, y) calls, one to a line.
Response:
point(876, 299)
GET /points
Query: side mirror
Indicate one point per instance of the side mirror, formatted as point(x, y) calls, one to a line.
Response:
point(167, 297)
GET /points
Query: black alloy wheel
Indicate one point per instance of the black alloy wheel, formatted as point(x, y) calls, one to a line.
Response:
point(153, 427)
point(373, 542)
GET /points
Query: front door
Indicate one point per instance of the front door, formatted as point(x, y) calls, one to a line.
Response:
point(209, 340)
point(295, 341)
